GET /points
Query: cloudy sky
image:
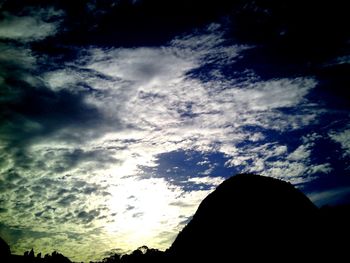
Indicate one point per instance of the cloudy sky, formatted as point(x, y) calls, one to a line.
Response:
point(118, 117)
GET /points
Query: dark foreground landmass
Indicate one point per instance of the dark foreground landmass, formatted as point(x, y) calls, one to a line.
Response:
point(248, 218)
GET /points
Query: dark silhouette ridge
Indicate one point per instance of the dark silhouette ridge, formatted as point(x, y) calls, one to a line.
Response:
point(142, 254)
point(248, 218)
point(5, 251)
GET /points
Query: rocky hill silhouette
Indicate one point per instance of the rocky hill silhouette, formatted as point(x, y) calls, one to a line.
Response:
point(248, 218)
point(5, 252)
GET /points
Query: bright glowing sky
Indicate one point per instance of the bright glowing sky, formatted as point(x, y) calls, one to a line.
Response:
point(110, 138)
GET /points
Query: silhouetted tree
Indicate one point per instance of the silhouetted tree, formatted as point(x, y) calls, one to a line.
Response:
point(58, 258)
point(31, 253)
point(112, 259)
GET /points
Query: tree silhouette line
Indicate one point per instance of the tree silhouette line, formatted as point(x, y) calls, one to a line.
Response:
point(142, 254)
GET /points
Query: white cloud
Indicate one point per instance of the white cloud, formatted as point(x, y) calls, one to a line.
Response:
point(343, 138)
point(145, 66)
point(274, 94)
point(321, 168)
point(339, 61)
point(61, 79)
point(207, 180)
point(300, 154)
point(311, 138)
point(21, 56)
point(271, 159)
point(287, 170)
point(29, 28)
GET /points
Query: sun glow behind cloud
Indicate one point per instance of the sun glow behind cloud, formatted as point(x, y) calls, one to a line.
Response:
point(149, 210)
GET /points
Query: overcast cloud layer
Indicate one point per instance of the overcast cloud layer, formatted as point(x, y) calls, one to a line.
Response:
point(114, 146)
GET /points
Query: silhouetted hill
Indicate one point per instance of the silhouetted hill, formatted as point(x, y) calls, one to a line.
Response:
point(250, 218)
point(335, 232)
point(5, 251)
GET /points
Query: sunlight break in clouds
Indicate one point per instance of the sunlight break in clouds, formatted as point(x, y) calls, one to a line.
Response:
point(87, 181)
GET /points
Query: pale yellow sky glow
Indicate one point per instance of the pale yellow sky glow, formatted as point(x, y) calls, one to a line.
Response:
point(144, 209)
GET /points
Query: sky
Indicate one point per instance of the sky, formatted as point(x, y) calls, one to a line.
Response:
point(117, 118)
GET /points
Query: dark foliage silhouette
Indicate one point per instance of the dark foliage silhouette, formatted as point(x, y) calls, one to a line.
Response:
point(29, 257)
point(142, 254)
point(247, 218)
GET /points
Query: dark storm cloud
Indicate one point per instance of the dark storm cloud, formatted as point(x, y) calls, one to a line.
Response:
point(89, 216)
point(69, 159)
point(64, 193)
point(30, 111)
point(137, 215)
point(11, 180)
point(67, 200)
point(91, 189)
point(47, 110)
point(14, 233)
